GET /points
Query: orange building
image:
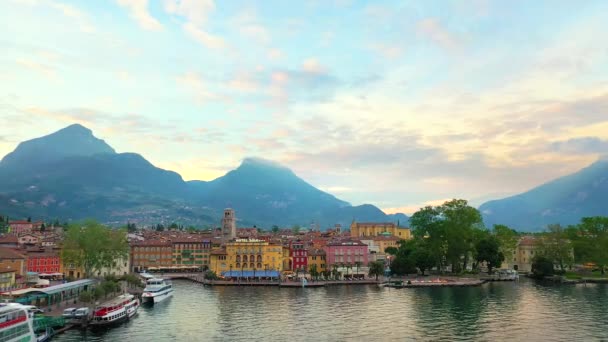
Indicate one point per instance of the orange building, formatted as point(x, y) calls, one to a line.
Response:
point(150, 255)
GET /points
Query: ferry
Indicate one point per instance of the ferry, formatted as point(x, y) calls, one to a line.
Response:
point(157, 290)
point(16, 324)
point(115, 311)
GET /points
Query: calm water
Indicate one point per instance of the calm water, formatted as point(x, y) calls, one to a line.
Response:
point(499, 311)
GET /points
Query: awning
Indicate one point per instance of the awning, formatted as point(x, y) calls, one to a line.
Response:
point(250, 274)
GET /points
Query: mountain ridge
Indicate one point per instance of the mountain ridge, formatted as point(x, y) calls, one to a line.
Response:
point(71, 174)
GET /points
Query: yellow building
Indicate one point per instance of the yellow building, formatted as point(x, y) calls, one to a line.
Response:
point(362, 229)
point(247, 255)
point(386, 241)
point(521, 260)
point(7, 279)
point(316, 256)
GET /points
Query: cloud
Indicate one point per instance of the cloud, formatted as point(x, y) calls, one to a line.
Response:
point(203, 37)
point(257, 33)
point(194, 11)
point(138, 11)
point(276, 54)
point(46, 70)
point(195, 84)
point(313, 66)
point(589, 145)
point(432, 29)
point(388, 51)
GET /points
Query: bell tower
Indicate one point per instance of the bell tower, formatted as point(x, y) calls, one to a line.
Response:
point(229, 224)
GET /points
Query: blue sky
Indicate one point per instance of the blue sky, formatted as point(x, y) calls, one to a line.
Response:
point(399, 104)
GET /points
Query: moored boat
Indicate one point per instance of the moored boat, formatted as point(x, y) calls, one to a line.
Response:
point(115, 311)
point(16, 323)
point(157, 290)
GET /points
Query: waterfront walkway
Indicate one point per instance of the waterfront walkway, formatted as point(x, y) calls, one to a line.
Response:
point(199, 278)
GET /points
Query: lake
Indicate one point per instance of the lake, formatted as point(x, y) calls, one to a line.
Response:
point(516, 311)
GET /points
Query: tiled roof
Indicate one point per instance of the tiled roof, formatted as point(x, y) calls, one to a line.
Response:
point(8, 253)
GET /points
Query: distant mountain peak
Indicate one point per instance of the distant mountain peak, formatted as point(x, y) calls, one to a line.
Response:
point(257, 161)
point(70, 141)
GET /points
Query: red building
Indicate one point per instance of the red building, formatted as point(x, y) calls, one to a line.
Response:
point(298, 256)
point(43, 261)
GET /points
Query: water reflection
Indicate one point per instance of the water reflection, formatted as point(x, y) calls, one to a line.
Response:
point(498, 311)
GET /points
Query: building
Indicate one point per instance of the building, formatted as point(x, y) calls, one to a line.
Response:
point(9, 240)
point(229, 224)
point(190, 252)
point(12, 260)
point(298, 256)
point(521, 259)
point(43, 261)
point(247, 255)
point(316, 257)
point(119, 267)
point(365, 229)
point(7, 279)
point(346, 253)
point(28, 239)
point(22, 227)
point(150, 255)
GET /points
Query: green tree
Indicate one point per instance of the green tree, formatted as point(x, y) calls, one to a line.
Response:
point(131, 227)
point(85, 296)
point(542, 267)
point(423, 259)
point(556, 246)
point(507, 239)
point(376, 269)
point(314, 273)
point(98, 293)
point(210, 275)
point(160, 227)
point(391, 250)
point(488, 250)
point(92, 246)
point(594, 238)
point(296, 229)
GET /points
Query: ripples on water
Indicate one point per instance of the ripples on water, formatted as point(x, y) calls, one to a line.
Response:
point(522, 311)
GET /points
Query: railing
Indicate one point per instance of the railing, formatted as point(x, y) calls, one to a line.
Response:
point(42, 323)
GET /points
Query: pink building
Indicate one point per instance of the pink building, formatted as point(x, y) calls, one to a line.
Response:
point(348, 252)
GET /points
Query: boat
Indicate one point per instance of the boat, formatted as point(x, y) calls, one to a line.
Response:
point(16, 324)
point(115, 311)
point(157, 290)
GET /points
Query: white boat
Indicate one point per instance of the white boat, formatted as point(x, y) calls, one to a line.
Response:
point(16, 323)
point(157, 290)
point(115, 311)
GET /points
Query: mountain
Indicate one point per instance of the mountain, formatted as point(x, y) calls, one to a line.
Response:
point(564, 200)
point(71, 174)
point(74, 140)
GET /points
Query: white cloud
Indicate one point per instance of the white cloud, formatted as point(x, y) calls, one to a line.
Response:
point(203, 37)
point(138, 11)
point(313, 66)
point(195, 11)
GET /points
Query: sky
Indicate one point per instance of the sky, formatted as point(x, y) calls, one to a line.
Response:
point(399, 104)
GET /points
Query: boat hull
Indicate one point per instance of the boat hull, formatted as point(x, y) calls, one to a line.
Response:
point(157, 298)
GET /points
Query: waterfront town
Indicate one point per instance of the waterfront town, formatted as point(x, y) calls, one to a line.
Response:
point(30, 252)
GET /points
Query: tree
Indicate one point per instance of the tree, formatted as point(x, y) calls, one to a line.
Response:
point(594, 239)
point(98, 293)
point(295, 229)
point(211, 275)
point(507, 239)
point(42, 227)
point(422, 257)
point(391, 250)
point(556, 246)
point(449, 231)
point(403, 266)
point(29, 219)
point(85, 296)
point(131, 227)
point(376, 269)
point(92, 246)
point(160, 227)
point(542, 267)
point(314, 273)
point(488, 250)
point(275, 229)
